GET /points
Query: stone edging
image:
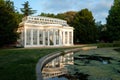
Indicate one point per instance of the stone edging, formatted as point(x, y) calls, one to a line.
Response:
point(42, 61)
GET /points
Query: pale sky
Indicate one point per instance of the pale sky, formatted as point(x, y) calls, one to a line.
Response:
point(99, 8)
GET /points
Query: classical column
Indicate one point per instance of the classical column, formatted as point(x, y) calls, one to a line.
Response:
point(54, 37)
point(72, 37)
point(25, 37)
point(22, 38)
point(68, 37)
point(31, 36)
point(63, 37)
point(48, 38)
point(60, 37)
point(43, 37)
point(38, 37)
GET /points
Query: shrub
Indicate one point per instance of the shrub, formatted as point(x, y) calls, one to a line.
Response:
point(114, 44)
point(100, 45)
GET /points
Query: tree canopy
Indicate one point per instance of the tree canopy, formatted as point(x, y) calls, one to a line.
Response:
point(83, 23)
point(68, 16)
point(47, 15)
point(8, 23)
point(113, 22)
point(85, 29)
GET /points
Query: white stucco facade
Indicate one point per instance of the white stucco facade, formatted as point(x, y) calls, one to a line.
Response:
point(38, 31)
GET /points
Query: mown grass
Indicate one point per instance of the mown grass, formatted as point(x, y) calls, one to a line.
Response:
point(19, 64)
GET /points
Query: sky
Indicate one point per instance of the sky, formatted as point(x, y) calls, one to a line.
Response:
point(99, 8)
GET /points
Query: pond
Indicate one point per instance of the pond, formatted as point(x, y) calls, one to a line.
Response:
point(84, 65)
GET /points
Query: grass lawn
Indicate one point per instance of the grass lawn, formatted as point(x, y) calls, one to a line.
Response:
point(19, 64)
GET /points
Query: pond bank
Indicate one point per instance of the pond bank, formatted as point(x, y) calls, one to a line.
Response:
point(49, 57)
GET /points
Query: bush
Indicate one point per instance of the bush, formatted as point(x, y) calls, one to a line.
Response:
point(117, 42)
point(100, 45)
point(114, 44)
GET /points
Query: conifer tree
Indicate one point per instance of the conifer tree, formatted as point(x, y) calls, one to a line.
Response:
point(26, 10)
point(113, 22)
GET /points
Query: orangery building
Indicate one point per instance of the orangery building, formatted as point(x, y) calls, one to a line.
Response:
point(38, 31)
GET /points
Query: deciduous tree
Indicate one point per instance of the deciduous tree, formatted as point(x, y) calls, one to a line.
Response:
point(85, 29)
point(8, 23)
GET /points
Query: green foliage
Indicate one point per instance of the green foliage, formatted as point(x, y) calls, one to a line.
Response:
point(117, 42)
point(83, 22)
point(102, 32)
point(48, 15)
point(100, 45)
point(8, 23)
point(68, 16)
point(114, 44)
point(27, 10)
point(85, 29)
point(113, 21)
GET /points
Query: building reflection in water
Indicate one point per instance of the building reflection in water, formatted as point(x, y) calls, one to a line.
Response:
point(57, 66)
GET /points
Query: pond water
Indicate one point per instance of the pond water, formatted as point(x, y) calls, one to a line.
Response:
point(77, 66)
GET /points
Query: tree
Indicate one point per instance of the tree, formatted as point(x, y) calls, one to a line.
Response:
point(85, 29)
point(102, 32)
point(27, 10)
point(113, 22)
point(48, 15)
point(68, 16)
point(8, 23)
